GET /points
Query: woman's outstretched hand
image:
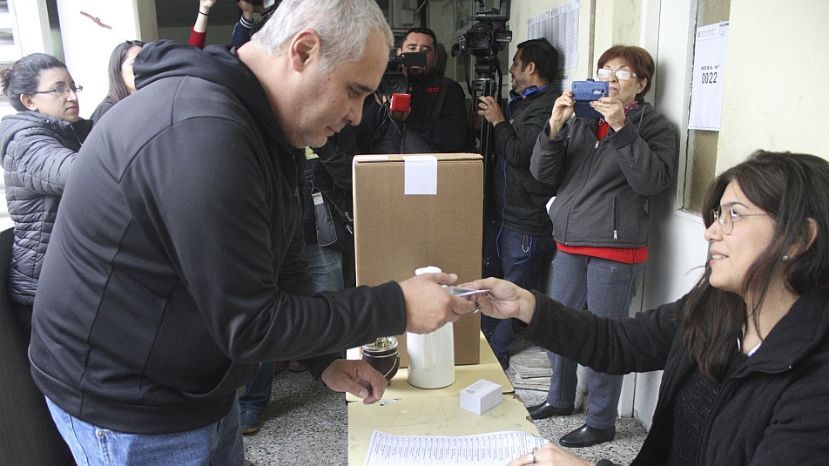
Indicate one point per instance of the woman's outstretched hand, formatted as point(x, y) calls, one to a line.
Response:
point(503, 300)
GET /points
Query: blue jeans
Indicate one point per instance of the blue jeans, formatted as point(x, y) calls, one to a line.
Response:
point(525, 260)
point(606, 289)
point(257, 393)
point(219, 443)
point(326, 267)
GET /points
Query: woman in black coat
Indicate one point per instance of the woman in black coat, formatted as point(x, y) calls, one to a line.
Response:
point(38, 144)
point(745, 353)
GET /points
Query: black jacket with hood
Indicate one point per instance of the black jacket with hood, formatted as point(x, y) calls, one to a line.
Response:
point(176, 264)
point(521, 199)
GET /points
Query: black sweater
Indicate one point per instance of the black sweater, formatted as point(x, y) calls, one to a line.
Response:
point(773, 410)
point(177, 263)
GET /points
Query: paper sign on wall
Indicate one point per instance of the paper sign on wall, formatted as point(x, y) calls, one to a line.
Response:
point(707, 85)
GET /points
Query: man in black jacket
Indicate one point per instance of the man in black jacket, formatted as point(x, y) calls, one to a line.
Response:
point(437, 119)
point(521, 227)
point(176, 262)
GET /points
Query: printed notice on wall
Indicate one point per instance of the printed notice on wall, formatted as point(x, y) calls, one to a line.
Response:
point(707, 86)
point(560, 26)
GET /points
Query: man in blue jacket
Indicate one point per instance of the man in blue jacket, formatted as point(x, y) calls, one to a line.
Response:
point(176, 262)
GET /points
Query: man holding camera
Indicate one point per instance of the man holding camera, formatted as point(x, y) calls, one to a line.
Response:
point(524, 232)
point(436, 120)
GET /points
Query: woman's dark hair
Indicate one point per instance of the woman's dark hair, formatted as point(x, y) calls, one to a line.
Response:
point(117, 87)
point(638, 58)
point(24, 75)
point(791, 188)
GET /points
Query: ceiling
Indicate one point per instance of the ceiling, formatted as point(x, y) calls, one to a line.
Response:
point(177, 13)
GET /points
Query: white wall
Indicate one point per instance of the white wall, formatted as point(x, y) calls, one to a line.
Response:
point(776, 65)
point(522, 11)
point(87, 45)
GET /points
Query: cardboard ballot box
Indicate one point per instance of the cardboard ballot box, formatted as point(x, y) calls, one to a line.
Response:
point(414, 210)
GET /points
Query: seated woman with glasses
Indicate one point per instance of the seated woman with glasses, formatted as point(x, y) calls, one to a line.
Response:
point(606, 169)
point(745, 353)
point(38, 144)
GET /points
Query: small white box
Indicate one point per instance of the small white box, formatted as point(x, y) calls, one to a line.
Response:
point(481, 396)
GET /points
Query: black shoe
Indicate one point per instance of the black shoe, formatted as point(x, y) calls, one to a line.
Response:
point(586, 436)
point(545, 410)
point(251, 422)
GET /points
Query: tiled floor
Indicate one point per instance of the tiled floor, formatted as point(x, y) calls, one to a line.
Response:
point(306, 424)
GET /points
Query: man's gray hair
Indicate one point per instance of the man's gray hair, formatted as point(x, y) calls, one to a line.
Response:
point(342, 25)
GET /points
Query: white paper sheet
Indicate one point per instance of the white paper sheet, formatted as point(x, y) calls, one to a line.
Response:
point(497, 448)
point(707, 84)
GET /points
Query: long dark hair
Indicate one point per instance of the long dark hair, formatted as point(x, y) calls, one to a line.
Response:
point(791, 188)
point(24, 76)
point(117, 87)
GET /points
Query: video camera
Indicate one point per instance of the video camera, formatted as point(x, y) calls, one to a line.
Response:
point(394, 79)
point(486, 38)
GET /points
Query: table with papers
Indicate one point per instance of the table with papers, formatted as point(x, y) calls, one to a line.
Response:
point(431, 415)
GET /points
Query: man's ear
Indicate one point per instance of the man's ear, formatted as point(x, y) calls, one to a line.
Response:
point(305, 47)
point(27, 102)
point(530, 68)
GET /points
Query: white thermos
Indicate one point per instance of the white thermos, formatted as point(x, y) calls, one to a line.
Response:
point(431, 355)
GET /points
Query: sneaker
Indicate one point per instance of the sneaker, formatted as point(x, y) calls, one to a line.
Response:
point(251, 422)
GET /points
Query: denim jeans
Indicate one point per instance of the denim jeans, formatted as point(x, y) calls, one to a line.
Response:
point(326, 267)
point(219, 443)
point(257, 393)
point(606, 289)
point(525, 260)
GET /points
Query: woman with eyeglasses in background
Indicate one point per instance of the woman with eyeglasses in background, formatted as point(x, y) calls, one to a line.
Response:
point(38, 144)
point(121, 76)
point(745, 353)
point(605, 169)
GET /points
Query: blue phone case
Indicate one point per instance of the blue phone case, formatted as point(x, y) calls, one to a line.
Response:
point(585, 92)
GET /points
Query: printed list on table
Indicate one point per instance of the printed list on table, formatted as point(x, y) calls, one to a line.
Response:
point(496, 449)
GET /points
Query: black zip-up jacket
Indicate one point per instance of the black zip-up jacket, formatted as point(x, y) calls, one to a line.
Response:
point(520, 198)
point(773, 410)
point(437, 121)
point(604, 186)
point(38, 153)
point(176, 263)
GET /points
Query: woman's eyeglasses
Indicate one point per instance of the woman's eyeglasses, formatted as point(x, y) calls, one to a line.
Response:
point(725, 216)
point(621, 75)
point(62, 90)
